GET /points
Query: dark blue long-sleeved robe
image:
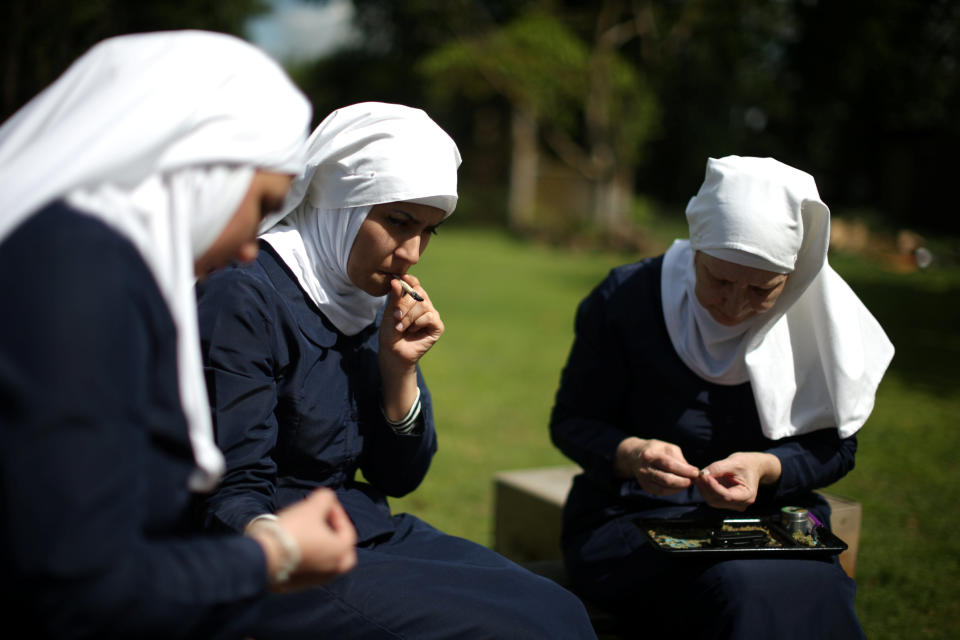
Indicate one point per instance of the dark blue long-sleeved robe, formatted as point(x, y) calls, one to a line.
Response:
point(623, 378)
point(296, 405)
point(95, 453)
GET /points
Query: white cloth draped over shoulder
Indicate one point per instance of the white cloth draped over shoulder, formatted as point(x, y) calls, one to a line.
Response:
point(158, 135)
point(815, 359)
point(361, 155)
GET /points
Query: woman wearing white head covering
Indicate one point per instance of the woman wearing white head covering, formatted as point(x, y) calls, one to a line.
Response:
point(152, 159)
point(312, 359)
point(728, 375)
point(767, 217)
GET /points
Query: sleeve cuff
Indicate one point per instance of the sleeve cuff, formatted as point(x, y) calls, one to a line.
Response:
point(407, 423)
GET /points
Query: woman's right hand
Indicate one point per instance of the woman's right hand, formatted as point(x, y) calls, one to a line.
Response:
point(659, 467)
point(410, 327)
point(325, 535)
point(416, 327)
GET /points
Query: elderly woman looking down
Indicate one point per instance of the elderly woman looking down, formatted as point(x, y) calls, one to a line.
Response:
point(729, 375)
point(312, 356)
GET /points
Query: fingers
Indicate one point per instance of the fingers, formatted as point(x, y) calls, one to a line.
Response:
point(416, 320)
point(411, 316)
point(712, 492)
point(661, 483)
point(669, 457)
point(710, 484)
point(324, 535)
point(323, 498)
point(340, 524)
point(408, 289)
point(723, 467)
point(332, 512)
point(658, 467)
point(664, 470)
point(676, 464)
point(336, 536)
point(722, 487)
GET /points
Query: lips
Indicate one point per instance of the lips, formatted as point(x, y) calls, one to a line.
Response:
point(724, 319)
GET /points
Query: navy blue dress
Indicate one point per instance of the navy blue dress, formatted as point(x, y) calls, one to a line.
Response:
point(296, 405)
point(623, 378)
point(95, 456)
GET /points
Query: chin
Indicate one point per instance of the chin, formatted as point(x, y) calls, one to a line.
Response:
point(377, 285)
point(726, 320)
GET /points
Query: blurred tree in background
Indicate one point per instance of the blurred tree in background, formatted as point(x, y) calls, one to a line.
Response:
point(563, 109)
point(40, 38)
point(590, 104)
point(859, 92)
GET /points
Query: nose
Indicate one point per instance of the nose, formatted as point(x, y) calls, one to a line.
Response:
point(734, 302)
point(409, 250)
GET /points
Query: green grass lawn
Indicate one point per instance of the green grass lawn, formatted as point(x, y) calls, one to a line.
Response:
point(509, 306)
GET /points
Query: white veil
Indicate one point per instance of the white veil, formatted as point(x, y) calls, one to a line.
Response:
point(158, 135)
point(815, 359)
point(361, 155)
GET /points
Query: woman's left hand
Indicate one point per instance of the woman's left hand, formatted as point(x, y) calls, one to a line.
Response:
point(733, 483)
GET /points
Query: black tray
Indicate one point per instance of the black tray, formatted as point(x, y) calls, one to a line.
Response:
point(698, 535)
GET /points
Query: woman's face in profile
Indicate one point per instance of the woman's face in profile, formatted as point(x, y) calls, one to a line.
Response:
point(733, 293)
point(238, 240)
point(390, 241)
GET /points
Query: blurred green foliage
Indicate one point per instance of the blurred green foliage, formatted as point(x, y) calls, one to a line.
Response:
point(40, 38)
point(538, 61)
point(535, 60)
point(860, 93)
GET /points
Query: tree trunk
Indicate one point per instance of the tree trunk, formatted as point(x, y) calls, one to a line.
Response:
point(611, 198)
point(524, 167)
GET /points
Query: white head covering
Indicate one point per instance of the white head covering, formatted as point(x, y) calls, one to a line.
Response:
point(360, 156)
point(158, 135)
point(814, 360)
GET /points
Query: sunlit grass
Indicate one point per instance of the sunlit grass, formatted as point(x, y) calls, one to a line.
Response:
point(509, 309)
